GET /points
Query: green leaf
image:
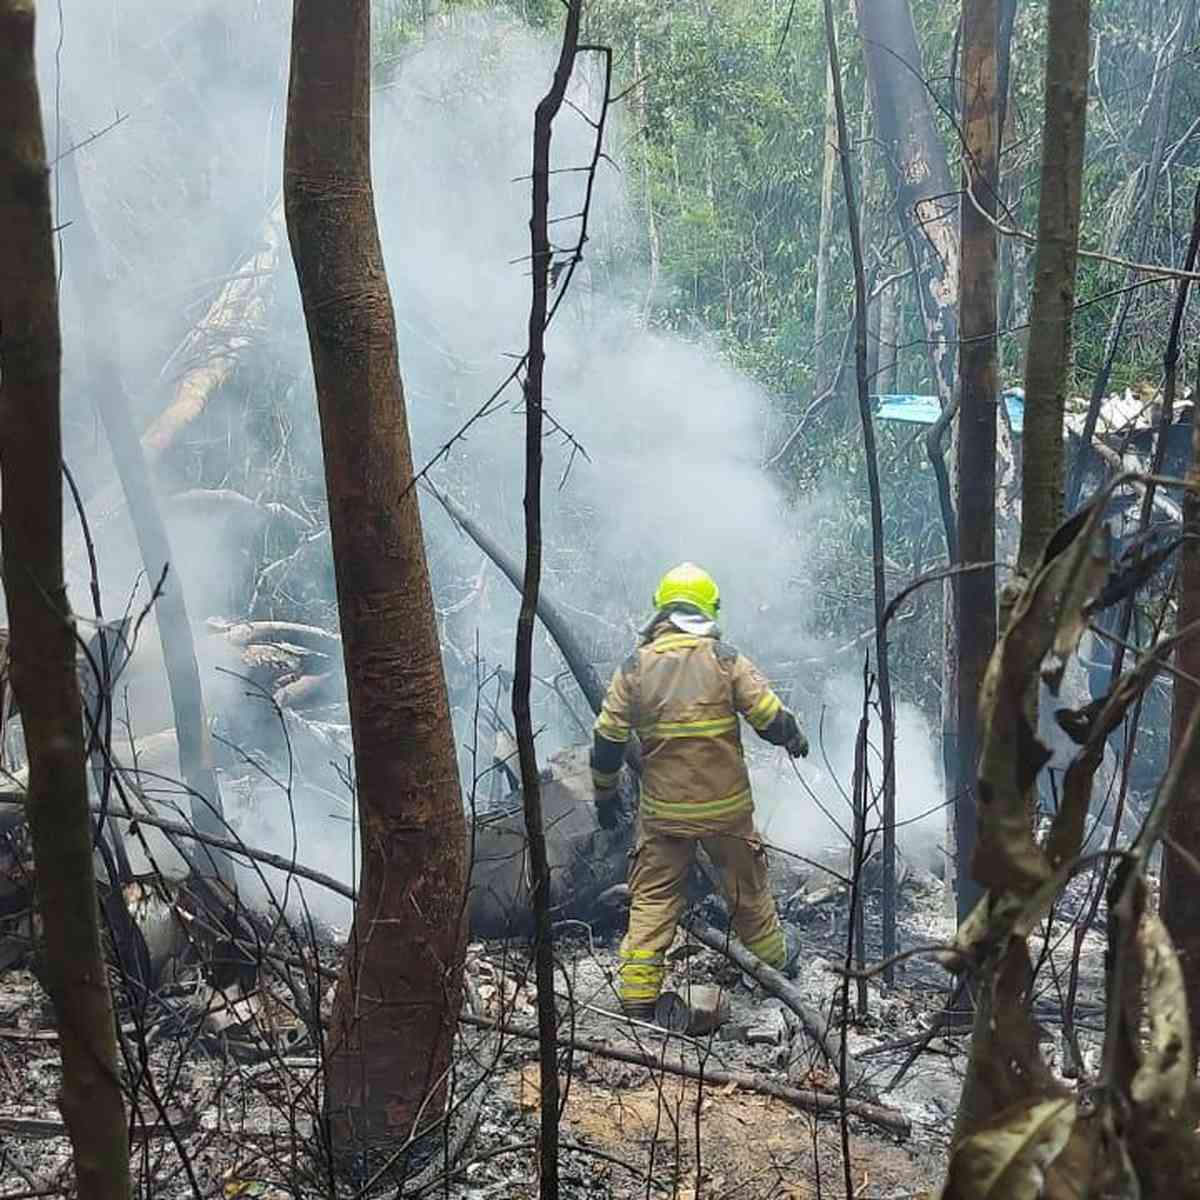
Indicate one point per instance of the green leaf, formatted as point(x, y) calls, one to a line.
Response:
point(1008, 1158)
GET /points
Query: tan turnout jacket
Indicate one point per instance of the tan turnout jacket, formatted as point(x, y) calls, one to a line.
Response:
point(682, 693)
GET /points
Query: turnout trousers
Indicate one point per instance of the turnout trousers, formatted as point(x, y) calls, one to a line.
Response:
point(658, 874)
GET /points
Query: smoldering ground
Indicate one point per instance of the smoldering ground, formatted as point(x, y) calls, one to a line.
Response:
point(673, 434)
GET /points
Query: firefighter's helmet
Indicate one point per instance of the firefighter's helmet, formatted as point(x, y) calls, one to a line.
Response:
point(689, 584)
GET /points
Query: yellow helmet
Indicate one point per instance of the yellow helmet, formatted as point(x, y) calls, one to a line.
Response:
point(689, 584)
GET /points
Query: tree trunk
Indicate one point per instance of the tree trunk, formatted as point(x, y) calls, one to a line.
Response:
point(1050, 339)
point(535, 831)
point(978, 390)
point(174, 624)
point(920, 181)
point(919, 174)
point(42, 630)
point(1183, 827)
point(825, 241)
point(1054, 281)
point(398, 996)
point(886, 709)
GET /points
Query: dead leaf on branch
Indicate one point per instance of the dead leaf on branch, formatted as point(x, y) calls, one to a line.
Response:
point(1047, 622)
point(1164, 1076)
point(1008, 1158)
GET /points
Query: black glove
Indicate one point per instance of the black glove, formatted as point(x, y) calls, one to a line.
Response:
point(797, 744)
point(609, 808)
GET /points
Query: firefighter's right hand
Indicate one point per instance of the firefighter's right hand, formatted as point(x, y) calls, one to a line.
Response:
point(797, 744)
point(608, 808)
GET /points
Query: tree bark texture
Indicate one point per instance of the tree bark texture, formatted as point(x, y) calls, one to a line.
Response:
point(539, 870)
point(920, 177)
point(398, 996)
point(1049, 354)
point(42, 660)
point(174, 625)
point(978, 392)
point(886, 710)
point(1183, 822)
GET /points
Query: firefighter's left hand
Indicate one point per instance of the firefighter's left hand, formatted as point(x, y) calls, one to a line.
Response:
point(608, 808)
point(797, 744)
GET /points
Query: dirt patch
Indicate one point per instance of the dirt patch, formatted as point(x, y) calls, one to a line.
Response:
point(753, 1146)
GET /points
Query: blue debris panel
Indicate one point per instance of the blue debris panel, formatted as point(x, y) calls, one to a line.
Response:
point(924, 410)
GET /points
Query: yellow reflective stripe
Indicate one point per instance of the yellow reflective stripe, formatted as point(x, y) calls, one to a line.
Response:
point(674, 641)
point(763, 712)
point(771, 948)
point(605, 779)
point(640, 975)
point(641, 991)
point(688, 810)
point(641, 972)
point(679, 729)
point(611, 730)
point(649, 956)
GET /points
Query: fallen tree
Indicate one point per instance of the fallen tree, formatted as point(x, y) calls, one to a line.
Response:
point(547, 611)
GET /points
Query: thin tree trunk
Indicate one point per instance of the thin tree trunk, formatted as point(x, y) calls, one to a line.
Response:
point(886, 712)
point(824, 240)
point(539, 868)
point(1183, 822)
point(1054, 285)
point(979, 388)
point(42, 662)
point(1049, 347)
point(174, 625)
point(397, 999)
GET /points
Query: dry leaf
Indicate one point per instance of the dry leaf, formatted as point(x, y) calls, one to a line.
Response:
point(1007, 1159)
point(1165, 1072)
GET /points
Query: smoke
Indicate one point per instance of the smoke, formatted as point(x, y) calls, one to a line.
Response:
point(672, 436)
point(813, 813)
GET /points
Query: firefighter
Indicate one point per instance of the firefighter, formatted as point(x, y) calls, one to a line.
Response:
point(681, 692)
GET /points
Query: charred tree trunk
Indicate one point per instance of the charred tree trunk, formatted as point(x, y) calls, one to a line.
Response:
point(43, 636)
point(539, 870)
point(398, 996)
point(979, 387)
point(1054, 283)
point(174, 624)
point(886, 710)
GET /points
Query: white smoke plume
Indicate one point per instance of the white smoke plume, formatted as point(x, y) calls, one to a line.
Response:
point(674, 435)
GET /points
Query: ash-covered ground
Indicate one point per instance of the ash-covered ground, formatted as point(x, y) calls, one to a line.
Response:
point(229, 1086)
